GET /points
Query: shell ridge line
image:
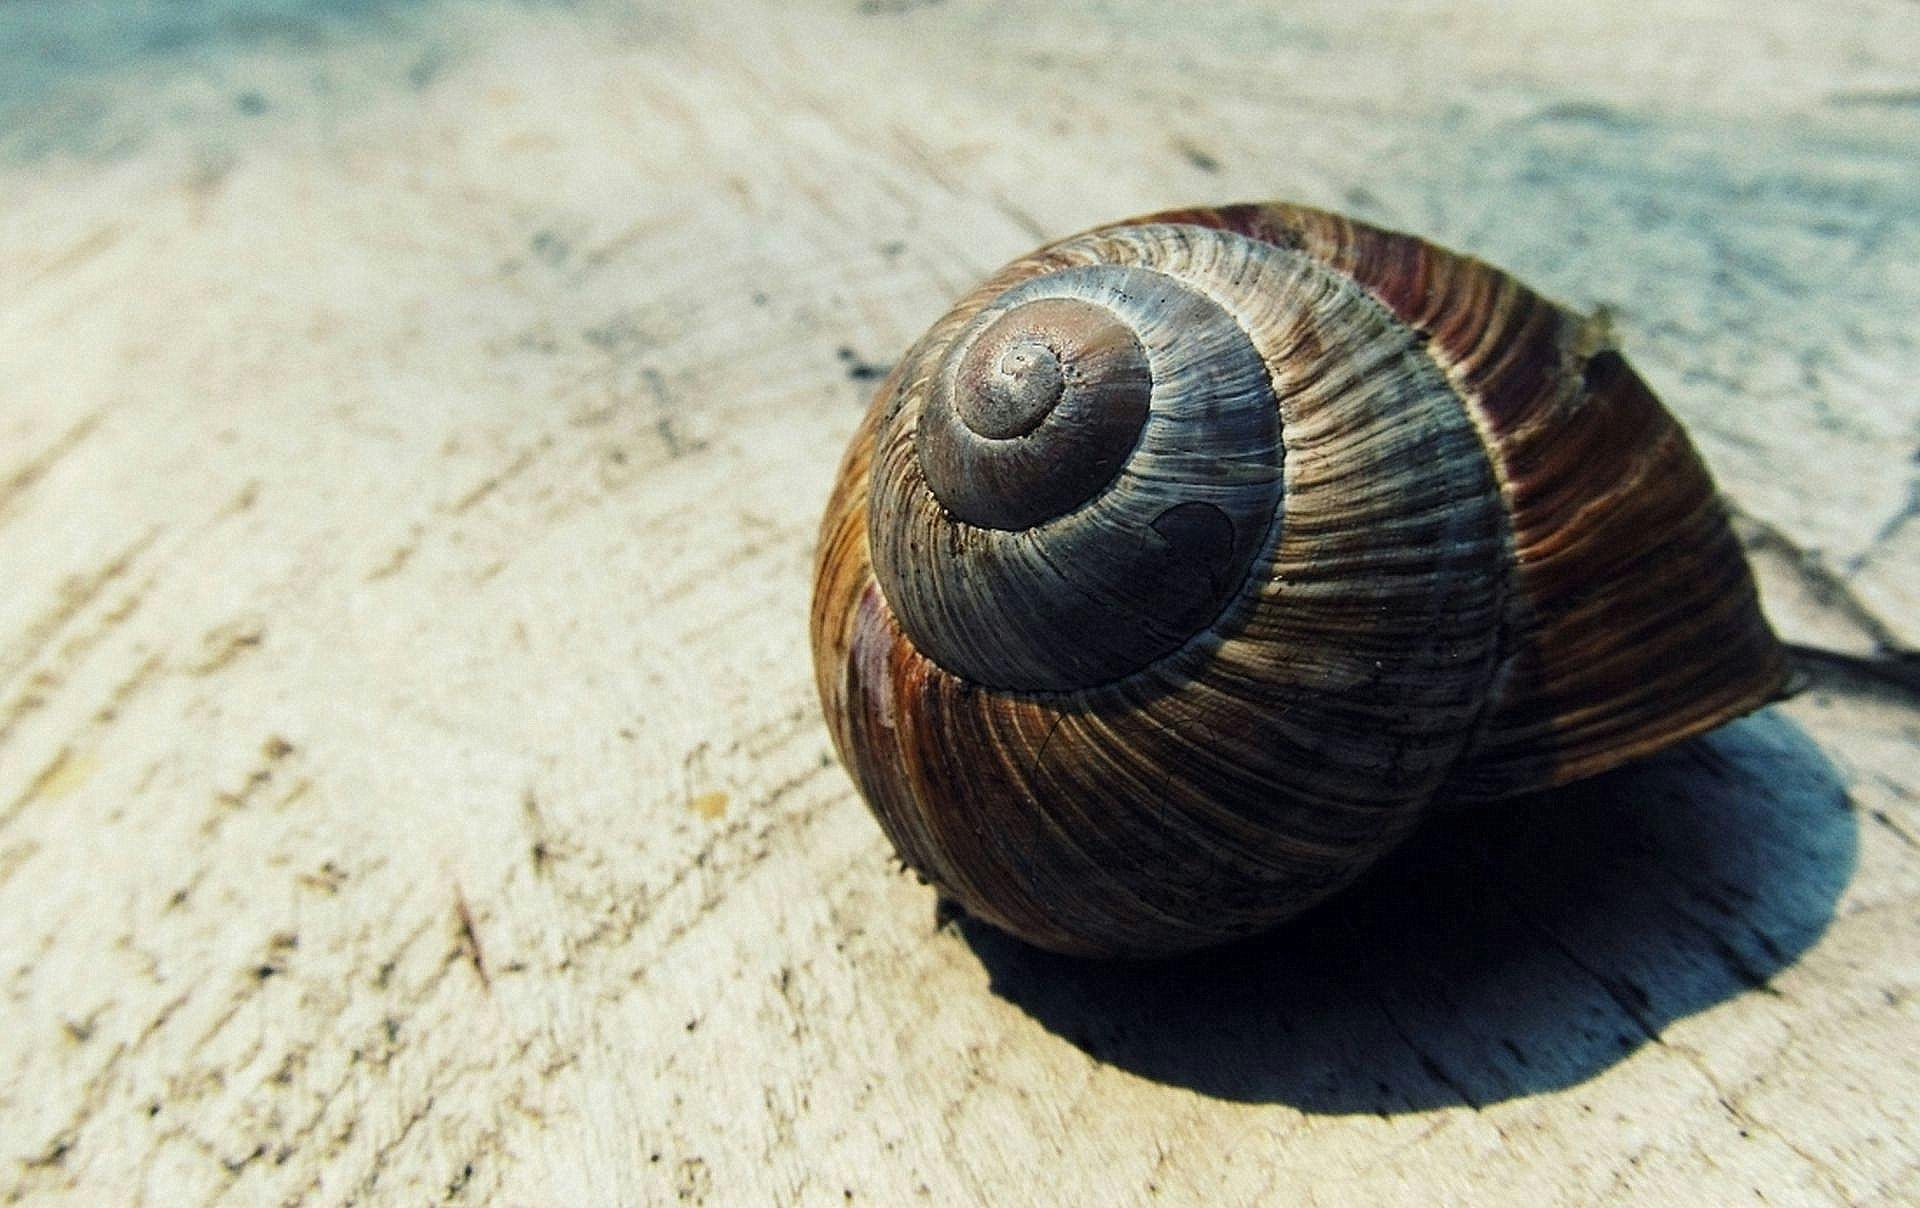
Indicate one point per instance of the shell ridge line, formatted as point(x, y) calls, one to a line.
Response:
point(1422, 344)
point(1413, 345)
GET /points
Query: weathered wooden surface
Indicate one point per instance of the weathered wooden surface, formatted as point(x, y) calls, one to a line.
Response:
point(413, 421)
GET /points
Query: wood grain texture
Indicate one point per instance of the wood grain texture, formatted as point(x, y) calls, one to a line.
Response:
point(414, 420)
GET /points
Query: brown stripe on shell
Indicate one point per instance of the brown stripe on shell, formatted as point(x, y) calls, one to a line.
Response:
point(1634, 619)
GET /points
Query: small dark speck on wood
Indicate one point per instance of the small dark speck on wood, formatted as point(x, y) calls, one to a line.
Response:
point(1197, 155)
point(470, 939)
point(860, 370)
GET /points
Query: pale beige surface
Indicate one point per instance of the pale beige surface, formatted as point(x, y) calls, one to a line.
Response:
point(412, 429)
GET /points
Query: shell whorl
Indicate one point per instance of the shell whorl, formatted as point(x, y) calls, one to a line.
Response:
point(1079, 481)
point(1179, 568)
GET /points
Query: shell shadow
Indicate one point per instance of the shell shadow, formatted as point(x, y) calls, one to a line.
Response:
point(1501, 952)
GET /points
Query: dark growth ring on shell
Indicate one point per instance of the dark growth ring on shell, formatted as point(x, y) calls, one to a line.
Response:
point(1187, 562)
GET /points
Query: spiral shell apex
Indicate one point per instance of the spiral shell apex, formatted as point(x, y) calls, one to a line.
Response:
point(1179, 569)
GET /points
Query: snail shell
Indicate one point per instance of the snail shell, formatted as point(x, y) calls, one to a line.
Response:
point(1186, 562)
